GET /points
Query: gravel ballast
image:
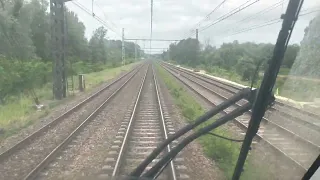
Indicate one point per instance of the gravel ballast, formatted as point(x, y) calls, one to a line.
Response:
point(265, 162)
point(86, 154)
point(33, 153)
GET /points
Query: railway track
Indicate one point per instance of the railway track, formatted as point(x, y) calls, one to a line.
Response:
point(287, 111)
point(29, 156)
point(299, 152)
point(146, 124)
point(304, 126)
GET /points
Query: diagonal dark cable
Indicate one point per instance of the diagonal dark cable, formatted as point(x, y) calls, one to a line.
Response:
point(263, 11)
point(268, 23)
point(229, 14)
point(208, 15)
point(106, 17)
point(245, 93)
point(94, 16)
point(317, 10)
point(256, 15)
point(233, 114)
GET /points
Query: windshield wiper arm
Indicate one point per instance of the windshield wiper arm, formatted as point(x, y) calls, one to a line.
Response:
point(170, 155)
point(246, 93)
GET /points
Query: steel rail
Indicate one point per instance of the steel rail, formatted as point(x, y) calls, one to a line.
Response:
point(288, 115)
point(125, 139)
point(132, 124)
point(243, 126)
point(4, 155)
point(237, 88)
point(53, 153)
point(163, 123)
point(264, 119)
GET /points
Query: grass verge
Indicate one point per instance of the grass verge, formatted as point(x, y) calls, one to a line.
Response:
point(224, 152)
point(20, 113)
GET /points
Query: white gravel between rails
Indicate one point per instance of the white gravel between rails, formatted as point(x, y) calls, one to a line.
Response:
point(86, 154)
point(199, 167)
point(25, 159)
point(54, 113)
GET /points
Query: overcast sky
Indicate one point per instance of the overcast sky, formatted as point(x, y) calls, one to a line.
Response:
point(174, 19)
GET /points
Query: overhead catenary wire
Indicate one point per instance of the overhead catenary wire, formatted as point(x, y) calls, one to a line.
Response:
point(217, 7)
point(95, 16)
point(263, 11)
point(231, 13)
point(310, 8)
point(318, 10)
point(209, 14)
point(105, 24)
point(264, 24)
point(269, 8)
point(106, 17)
point(255, 15)
point(227, 15)
point(270, 22)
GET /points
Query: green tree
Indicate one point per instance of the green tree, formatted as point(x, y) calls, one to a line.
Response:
point(97, 47)
point(290, 55)
point(77, 44)
point(14, 35)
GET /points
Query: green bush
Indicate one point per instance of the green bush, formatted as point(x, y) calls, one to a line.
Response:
point(22, 76)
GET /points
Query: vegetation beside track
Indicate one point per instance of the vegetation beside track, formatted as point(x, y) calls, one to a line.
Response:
point(224, 152)
point(20, 112)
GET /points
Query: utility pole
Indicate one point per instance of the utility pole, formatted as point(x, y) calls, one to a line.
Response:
point(58, 43)
point(123, 49)
point(197, 34)
point(151, 24)
point(68, 62)
point(197, 43)
point(135, 51)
